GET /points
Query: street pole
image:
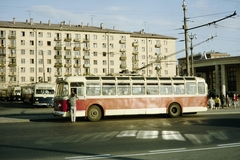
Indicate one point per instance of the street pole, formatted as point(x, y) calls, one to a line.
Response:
point(191, 48)
point(186, 36)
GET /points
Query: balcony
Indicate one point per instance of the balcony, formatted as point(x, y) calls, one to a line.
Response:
point(12, 46)
point(77, 40)
point(77, 65)
point(68, 39)
point(123, 50)
point(122, 41)
point(2, 64)
point(12, 74)
point(123, 66)
point(2, 55)
point(68, 65)
point(57, 39)
point(58, 65)
point(2, 46)
point(12, 64)
point(86, 40)
point(12, 37)
point(68, 74)
point(77, 57)
point(86, 57)
point(135, 60)
point(58, 48)
point(86, 49)
point(135, 44)
point(57, 56)
point(58, 74)
point(135, 52)
point(12, 56)
point(157, 45)
point(135, 67)
point(67, 48)
point(77, 48)
point(123, 58)
point(86, 65)
point(2, 73)
point(2, 36)
point(67, 57)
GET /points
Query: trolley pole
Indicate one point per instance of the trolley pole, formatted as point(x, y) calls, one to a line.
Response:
point(186, 37)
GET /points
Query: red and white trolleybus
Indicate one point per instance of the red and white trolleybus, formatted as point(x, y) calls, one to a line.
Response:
point(101, 96)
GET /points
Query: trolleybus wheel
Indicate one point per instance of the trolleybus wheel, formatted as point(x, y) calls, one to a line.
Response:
point(94, 113)
point(174, 110)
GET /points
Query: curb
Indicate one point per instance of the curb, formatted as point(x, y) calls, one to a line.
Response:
point(12, 120)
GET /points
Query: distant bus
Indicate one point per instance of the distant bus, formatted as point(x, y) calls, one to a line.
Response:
point(3, 94)
point(39, 94)
point(14, 93)
point(130, 95)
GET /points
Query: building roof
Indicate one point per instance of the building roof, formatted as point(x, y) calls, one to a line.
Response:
point(78, 28)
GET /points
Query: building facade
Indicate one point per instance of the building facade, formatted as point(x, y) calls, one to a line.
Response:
point(32, 52)
point(220, 70)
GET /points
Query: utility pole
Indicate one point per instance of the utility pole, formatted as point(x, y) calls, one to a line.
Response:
point(191, 48)
point(186, 36)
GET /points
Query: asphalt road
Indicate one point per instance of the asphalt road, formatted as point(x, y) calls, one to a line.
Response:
point(210, 135)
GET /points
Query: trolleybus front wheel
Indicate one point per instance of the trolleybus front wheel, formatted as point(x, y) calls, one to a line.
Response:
point(174, 110)
point(94, 113)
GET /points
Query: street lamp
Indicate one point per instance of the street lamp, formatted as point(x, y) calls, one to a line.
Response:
point(191, 48)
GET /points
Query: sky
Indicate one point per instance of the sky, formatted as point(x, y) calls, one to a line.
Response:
point(163, 17)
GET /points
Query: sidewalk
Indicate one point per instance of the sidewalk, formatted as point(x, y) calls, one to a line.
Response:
point(15, 115)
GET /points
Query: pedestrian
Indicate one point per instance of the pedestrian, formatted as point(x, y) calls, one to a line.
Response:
point(73, 100)
point(235, 100)
point(228, 101)
point(222, 99)
point(217, 102)
point(211, 103)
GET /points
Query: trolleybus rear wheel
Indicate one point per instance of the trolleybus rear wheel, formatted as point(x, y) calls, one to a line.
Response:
point(94, 113)
point(174, 110)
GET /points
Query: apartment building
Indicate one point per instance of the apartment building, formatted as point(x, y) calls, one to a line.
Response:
point(32, 52)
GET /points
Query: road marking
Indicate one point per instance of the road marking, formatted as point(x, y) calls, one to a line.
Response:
point(156, 152)
point(172, 135)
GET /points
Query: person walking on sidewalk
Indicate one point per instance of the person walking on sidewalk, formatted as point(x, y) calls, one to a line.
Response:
point(211, 103)
point(217, 102)
point(235, 100)
point(222, 99)
point(228, 101)
point(73, 100)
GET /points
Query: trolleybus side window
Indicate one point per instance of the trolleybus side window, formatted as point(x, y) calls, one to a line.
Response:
point(123, 89)
point(108, 89)
point(152, 88)
point(191, 88)
point(178, 88)
point(201, 88)
point(93, 89)
point(62, 90)
point(77, 88)
point(166, 88)
point(138, 89)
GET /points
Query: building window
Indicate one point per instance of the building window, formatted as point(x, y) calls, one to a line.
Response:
point(165, 42)
point(111, 45)
point(104, 54)
point(31, 70)
point(31, 79)
point(22, 61)
point(111, 38)
point(48, 35)
point(49, 52)
point(49, 70)
point(112, 62)
point(40, 69)
point(95, 62)
point(31, 43)
point(22, 69)
point(31, 34)
point(104, 70)
point(23, 34)
point(22, 42)
point(49, 61)
point(231, 78)
point(48, 43)
point(104, 62)
point(40, 34)
point(103, 37)
point(95, 70)
point(31, 52)
point(40, 43)
point(95, 37)
point(95, 54)
point(40, 52)
point(104, 45)
point(23, 79)
point(40, 61)
point(111, 54)
point(22, 51)
point(31, 61)
point(94, 45)
point(143, 49)
point(165, 50)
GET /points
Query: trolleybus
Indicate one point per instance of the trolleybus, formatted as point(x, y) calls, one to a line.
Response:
point(101, 96)
point(39, 94)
